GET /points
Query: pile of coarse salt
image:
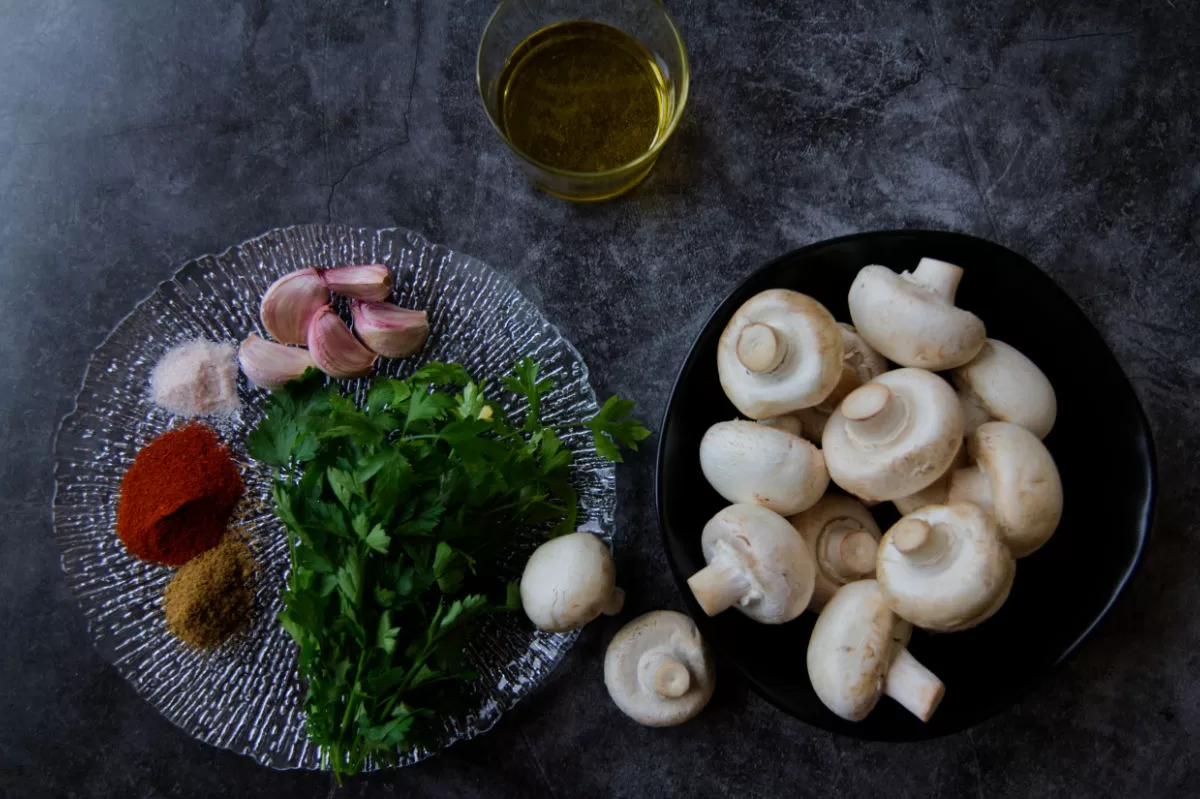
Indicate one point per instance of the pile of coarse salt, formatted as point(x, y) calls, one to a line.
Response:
point(197, 378)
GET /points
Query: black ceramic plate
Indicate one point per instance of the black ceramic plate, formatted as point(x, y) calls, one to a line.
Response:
point(1101, 443)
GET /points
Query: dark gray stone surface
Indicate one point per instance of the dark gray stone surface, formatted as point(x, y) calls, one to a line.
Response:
point(134, 135)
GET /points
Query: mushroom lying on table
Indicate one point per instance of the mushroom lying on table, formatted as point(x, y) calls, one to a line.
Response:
point(844, 539)
point(749, 462)
point(1002, 384)
point(944, 567)
point(911, 318)
point(857, 653)
point(756, 561)
point(1015, 480)
point(781, 351)
point(658, 670)
point(893, 436)
point(568, 581)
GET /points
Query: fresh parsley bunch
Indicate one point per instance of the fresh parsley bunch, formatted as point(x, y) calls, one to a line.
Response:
point(398, 515)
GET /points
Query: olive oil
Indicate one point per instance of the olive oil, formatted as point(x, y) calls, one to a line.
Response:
point(582, 96)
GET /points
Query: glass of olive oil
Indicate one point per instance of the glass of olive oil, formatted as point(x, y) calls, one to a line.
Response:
point(585, 93)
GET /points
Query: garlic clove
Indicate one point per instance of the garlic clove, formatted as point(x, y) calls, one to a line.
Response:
point(390, 330)
point(271, 365)
point(334, 348)
point(370, 282)
point(290, 303)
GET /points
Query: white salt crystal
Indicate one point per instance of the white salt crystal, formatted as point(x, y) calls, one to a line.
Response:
point(197, 378)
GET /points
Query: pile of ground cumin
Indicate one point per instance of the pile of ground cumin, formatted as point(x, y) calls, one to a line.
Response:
point(212, 595)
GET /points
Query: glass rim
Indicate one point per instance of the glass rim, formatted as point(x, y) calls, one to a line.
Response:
point(643, 159)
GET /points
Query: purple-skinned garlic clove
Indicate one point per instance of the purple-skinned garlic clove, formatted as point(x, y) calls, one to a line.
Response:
point(334, 349)
point(271, 365)
point(290, 303)
point(371, 282)
point(388, 329)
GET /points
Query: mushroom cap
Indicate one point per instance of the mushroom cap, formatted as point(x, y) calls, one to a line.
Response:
point(945, 567)
point(567, 582)
point(752, 462)
point(1008, 387)
point(911, 317)
point(860, 364)
point(775, 558)
point(812, 421)
point(658, 670)
point(937, 492)
point(898, 441)
point(1025, 496)
point(794, 346)
point(844, 539)
point(787, 422)
point(851, 648)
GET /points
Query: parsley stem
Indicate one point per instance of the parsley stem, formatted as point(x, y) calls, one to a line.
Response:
point(362, 658)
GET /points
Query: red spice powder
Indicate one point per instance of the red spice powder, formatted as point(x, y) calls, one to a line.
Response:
point(178, 495)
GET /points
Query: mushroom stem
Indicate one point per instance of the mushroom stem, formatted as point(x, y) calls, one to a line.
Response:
point(939, 277)
point(720, 585)
point(847, 550)
point(971, 485)
point(660, 671)
point(913, 686)
point(920, 541)
point(760, 349)
point(672, 680)
point(874, 415)
point(616, 601)
point(912, 535)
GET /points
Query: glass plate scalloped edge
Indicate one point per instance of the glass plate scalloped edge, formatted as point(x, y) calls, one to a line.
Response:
point(246, 696)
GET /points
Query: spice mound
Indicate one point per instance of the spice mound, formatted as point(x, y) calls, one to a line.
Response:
point(196, 378)
point(211, 596)
point(178, 496)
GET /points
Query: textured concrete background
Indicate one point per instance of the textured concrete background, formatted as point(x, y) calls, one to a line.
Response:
point(134, 135)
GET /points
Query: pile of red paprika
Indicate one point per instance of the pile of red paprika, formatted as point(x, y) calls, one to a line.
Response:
point(178, 496)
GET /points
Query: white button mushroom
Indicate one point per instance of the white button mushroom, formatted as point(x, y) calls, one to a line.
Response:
point(781, 351)
point(937, 492)
point(893, 436)
point(911, 317)
point(786, 422)
point(860, 364)
point(857, 653)
point(749, 462)
point(1002, 384)
point(1015, 480)
point(757, 561)
point(944, 567)
point(658, 670)
point(844, 539)
point(568, 581)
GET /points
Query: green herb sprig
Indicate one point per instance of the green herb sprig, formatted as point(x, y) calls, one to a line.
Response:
point(398, 515)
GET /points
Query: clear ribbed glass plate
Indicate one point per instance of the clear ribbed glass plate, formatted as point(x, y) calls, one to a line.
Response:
point(246, 695)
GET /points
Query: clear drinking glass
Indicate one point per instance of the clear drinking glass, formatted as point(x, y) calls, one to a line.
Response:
point(647, 21)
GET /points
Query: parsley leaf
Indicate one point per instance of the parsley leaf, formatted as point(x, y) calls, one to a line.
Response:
point(613, 427)
point(524, 381)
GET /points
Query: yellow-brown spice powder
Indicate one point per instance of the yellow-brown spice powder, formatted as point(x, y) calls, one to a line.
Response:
point(212, 595)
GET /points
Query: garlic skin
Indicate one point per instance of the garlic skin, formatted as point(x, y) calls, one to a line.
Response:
point(371, 282)
point(290, 303)
point(390, 330)
point(334, 349)
point(270, 365)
